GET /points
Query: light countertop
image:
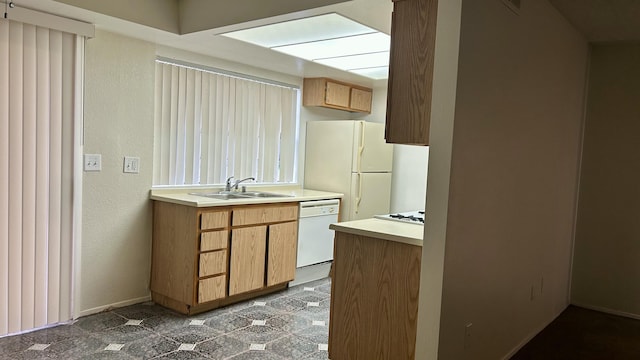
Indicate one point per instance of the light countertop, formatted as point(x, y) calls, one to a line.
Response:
point(411, 234)
point(182, 197)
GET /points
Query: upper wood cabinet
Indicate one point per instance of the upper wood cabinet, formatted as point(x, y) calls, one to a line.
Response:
point(413, 36)
point(336, 94)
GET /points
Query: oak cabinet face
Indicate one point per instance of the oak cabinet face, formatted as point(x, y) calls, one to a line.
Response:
point(336, 94)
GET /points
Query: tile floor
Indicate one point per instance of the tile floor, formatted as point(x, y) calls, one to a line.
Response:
point(290, 324)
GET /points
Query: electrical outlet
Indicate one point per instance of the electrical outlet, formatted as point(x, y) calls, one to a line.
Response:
point(131, 165)
point(467, 336)
point(92, 162)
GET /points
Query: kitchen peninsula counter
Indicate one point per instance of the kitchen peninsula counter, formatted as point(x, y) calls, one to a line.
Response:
point(374, 290)
point(397, 231)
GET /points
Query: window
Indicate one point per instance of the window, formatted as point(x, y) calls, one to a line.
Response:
point(210, 126)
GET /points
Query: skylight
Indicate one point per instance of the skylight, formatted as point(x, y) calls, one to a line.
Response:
point(329, 39)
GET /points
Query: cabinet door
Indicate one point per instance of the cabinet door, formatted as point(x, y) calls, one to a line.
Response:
point(281, 264)
point(413, 32)
point(248, 250)
point(361, 100)
point(337, 94)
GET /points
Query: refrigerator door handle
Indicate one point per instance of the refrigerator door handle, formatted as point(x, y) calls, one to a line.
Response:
point(360, 146)
point(359, 197)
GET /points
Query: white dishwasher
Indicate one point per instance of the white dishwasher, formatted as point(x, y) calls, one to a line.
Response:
point(315, 239)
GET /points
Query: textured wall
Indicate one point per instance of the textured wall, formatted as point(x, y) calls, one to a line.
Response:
point(514, 174)
point(606, 267)
point(118, 121)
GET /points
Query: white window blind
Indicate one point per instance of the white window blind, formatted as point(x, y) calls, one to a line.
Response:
point(210, 126)
point(38, 72)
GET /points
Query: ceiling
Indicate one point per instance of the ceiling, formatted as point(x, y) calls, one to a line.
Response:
point(603, 20)
point(160, 29)
point(163, 22)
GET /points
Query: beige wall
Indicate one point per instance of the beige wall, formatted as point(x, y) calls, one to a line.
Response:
point(119, 102)
point(514, 173)
point(607, 251)
point(118, 121)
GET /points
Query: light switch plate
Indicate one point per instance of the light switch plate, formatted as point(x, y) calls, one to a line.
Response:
point(92, 162)
point(131, 165)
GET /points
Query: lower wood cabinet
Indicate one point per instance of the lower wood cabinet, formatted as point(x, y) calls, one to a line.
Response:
point(283, 241)
point(203, 258)
point(248, 249)
point(374, 299)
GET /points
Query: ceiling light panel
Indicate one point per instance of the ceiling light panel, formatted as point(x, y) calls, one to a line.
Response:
point(357, 61)
point(377, 73)
point(344, 46)
point(300, 31)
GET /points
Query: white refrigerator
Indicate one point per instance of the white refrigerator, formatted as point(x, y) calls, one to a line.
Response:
point(350, 157)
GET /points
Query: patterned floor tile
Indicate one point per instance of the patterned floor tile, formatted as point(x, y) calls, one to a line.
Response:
point(222, 347)
point(288, 331)
point(315, 334)
point(166, 322)
point(75, 347)
point(123, 334)
point(183, 355)
point(318, 355)
point(55, 334)
point(141, 311)
point(12, 344)
point(192, 334)
point(288, 304)
point(100, 322)
point(150, 347)
point(258, 334)
point(290, 322)
point(227, 322)
point(292, 347)
point(259, 312)
point(257, 355)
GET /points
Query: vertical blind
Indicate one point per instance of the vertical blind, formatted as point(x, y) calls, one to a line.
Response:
point(37, 89)
point(209, 126)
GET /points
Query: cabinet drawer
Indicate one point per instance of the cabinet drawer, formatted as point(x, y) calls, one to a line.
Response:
point(211, 289)
point(214, 220)
point(214, 240)
point(213, 263)
point(263, 215)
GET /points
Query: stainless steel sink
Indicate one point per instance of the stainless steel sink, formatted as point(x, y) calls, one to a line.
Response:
point(260, 194)
point(226, 195)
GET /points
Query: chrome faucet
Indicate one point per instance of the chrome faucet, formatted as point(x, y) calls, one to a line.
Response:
point(235, 185)
point(228, 186)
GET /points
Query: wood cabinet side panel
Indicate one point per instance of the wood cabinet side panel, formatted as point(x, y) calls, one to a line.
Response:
point(248, 251)
point(411, 71)
point(374, 303)
point(281, 257)
point(265, 214)
point(174, 251)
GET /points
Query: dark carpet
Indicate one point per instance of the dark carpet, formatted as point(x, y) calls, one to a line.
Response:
point(581, 334)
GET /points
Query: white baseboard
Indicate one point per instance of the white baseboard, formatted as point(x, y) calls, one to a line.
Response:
point(608, 311)
point(531, 336)
point(102, 308)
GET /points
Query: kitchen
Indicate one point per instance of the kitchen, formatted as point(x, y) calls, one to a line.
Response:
point(116, 213)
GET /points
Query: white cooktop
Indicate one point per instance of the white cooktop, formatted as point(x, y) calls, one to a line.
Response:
point(409, 217)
